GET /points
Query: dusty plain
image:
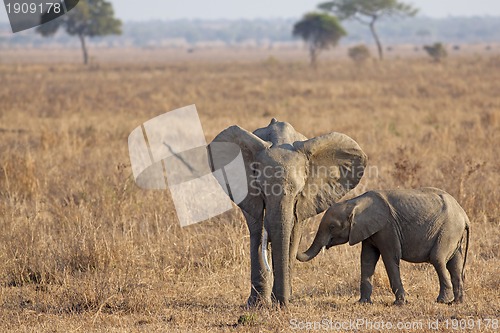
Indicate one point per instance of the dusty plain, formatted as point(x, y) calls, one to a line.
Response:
point(83, 249)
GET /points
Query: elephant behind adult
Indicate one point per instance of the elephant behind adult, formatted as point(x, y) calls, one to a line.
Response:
point(289, 179)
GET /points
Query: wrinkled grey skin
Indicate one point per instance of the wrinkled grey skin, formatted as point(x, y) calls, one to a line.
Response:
point(285, 188)
point(421, 225)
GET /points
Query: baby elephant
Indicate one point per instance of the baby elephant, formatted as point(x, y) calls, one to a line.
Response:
point(421, 225)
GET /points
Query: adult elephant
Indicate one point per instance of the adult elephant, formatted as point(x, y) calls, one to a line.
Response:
point(289, 179)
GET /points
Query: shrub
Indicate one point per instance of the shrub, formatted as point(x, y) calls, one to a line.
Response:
point(437, 51)
point(359, 54)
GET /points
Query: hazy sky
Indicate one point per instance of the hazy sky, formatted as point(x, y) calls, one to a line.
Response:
point(234, 9)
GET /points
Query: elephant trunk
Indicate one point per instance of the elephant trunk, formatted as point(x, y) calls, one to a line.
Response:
point(319, 241)
point(281, 224)
point(281, 251)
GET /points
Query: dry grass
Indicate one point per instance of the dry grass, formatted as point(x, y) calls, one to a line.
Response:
point(83, 249)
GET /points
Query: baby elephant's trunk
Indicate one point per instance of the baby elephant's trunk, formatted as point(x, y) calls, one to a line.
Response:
point(313, 251)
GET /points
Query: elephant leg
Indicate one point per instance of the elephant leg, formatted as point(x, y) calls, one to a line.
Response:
point(391, 264)
point(454, 266)
point(438, 259)
point(261, 278)
point(445, 286)
point(369, 259)
point(294, 247)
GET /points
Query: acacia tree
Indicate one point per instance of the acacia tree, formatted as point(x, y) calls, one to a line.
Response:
point(90, 18)
point(369, 12)
point(320, 31)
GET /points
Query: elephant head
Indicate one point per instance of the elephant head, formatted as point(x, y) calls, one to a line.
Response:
point(289, 179)
point(350, 221)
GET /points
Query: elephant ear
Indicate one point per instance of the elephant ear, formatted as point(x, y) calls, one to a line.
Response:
point(369, 216)
point(234, 180)
point(336, 165)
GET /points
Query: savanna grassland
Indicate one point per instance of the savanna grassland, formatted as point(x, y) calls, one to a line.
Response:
point(83, 249)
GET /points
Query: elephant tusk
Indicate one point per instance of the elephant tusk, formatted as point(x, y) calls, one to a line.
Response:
point(264, 250)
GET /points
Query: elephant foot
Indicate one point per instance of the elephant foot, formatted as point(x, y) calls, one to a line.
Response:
point(445, 299)
point(459, 298)
point(400, 302)
point(280, 301)
point(365, 301)
point(257, 301)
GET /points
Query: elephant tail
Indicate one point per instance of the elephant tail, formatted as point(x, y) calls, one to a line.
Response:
point(467, 228)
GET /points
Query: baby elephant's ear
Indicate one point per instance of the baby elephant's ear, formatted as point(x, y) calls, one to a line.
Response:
point(370, 215)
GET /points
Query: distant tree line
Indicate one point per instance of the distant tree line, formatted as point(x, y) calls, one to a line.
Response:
point(417, 30)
